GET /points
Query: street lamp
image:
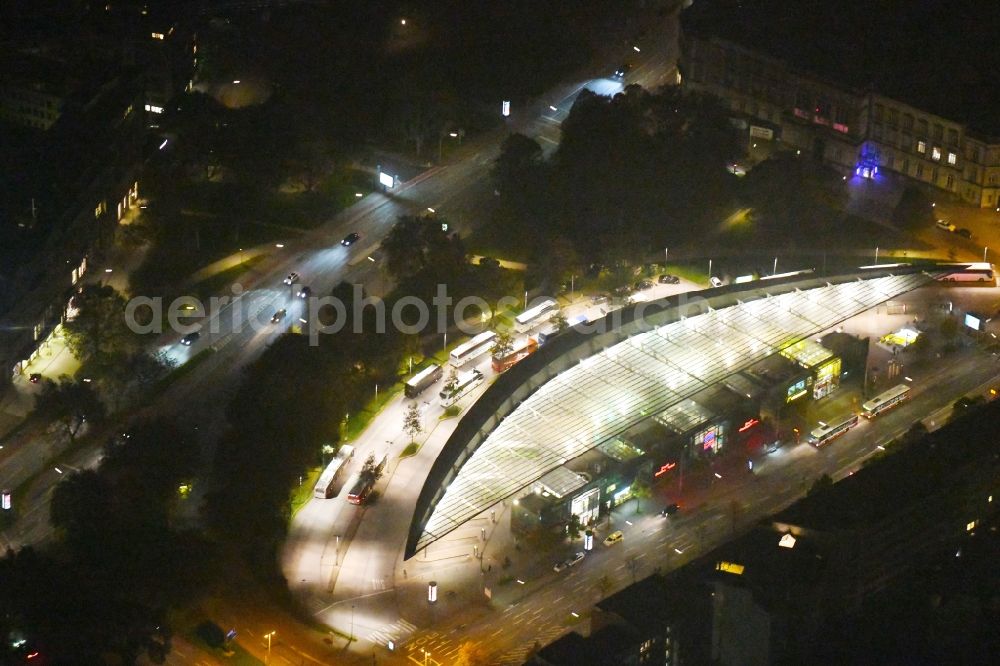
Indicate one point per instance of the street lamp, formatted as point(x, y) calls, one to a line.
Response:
point(268, 636)
point(454, 135)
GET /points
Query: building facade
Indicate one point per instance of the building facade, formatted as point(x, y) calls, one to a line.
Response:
point(857, 131)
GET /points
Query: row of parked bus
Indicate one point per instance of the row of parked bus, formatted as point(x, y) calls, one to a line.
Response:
point(327, 485)
point(827, 432)
point(478, 345)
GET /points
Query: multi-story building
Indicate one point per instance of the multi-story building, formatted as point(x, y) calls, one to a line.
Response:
point(931, 114)
point(33, 92)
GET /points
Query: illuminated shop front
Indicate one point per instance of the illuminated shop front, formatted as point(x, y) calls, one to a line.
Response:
point(822, 365)
point(711, 439)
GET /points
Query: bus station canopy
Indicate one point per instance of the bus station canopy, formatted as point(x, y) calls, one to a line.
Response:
point(642, 376)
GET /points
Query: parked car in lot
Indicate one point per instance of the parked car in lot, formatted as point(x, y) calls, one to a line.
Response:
point(643, 284)
point(668, 279)
point(489, 261)
point(716, 282)
point(292, 278)
point(613, 538)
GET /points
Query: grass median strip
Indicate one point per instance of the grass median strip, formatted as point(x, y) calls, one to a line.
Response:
point(303, 492)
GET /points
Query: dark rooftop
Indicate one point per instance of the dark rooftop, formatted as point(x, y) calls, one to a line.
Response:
point(641, 604)
point(600, 649)
point(940, 57)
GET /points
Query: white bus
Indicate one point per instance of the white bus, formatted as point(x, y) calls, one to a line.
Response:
point(886, 401)
point(535, 315)
point(826, 433)
point(979, 272)
point(416, 384)
point(325, 487)
point(552, 330)
point(473, 348)
point(465, 382)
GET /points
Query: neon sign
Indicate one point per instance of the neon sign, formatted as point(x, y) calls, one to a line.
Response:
point(751, 422)
point(666, 468)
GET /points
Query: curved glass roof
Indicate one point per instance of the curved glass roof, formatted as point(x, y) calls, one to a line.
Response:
point(609, 392)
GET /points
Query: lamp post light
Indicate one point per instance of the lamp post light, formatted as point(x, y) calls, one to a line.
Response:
point(454, 135)
point(268, 636)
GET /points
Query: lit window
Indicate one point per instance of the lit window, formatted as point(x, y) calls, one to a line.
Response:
point(157, 35)
point(921, 147)
point(971, 525)
point(952, 158)
point(935, 153)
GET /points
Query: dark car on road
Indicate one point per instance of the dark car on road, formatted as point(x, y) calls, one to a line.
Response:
point(292, 278)
point(350, 239)
point(489, 261)
point(670, 510)
point(304, 292)
point(278, 316)
point(190, 338)
point(964, 233)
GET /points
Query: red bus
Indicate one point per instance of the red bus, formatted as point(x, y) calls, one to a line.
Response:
point(360, 491)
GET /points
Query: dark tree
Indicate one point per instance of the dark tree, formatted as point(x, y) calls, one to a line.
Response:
point(518, 164)
point(98, 334)
point(371, 471)
point(70, 404)
point(914, 210)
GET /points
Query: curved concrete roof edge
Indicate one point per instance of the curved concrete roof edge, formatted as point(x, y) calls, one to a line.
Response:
point(498, 400)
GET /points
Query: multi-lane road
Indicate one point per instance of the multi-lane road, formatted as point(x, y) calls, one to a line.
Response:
point(362, 588)
point(460, 190)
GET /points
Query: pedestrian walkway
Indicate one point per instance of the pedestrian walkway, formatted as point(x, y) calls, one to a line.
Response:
point(395, 634)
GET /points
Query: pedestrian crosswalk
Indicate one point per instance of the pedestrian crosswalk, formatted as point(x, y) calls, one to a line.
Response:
point(519, 655)
point(439, 648)
point(398, 632)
